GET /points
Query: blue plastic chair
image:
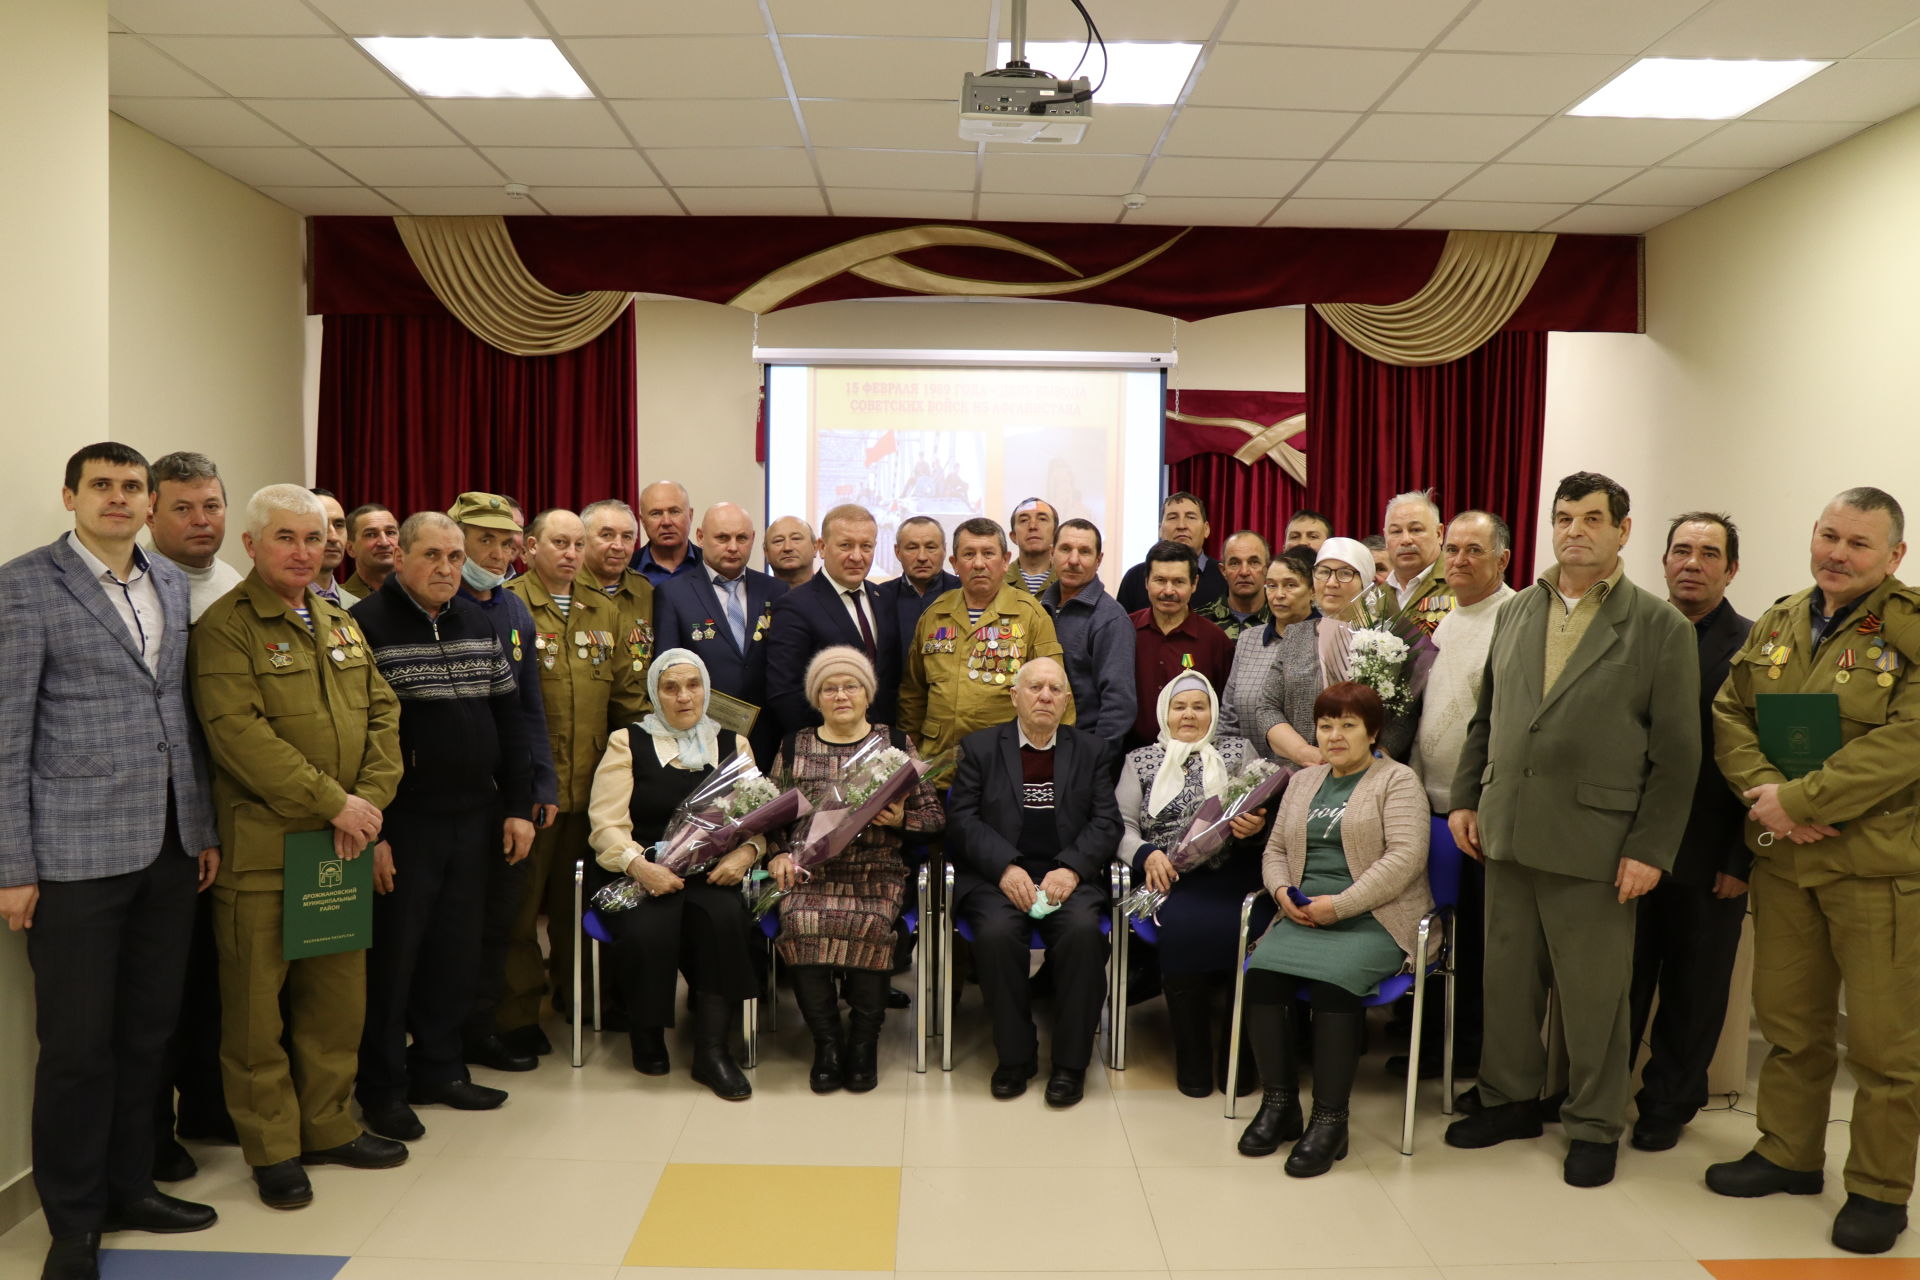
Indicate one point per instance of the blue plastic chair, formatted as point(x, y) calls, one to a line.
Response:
point(1433, 955)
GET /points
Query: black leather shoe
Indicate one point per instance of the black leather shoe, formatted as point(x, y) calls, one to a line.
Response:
point(1010, 1081)
point(73, 1258)
point(284, 1185)
point(528, 1040)
point(714, 1067)
point(1868, 1226)
point(1549, 1107)
point(649, 1048)
point(160, 1214)
point(397, 1122)
point(1651, 1133)
point(898, 999)
point(496, 1053)
point(1755, 1175)
point(461, 1095)
point(1589, 1164)
point(1494, 1125)
point(1066, 1086)
point(364, 1152)
point(173, 1163)
point(1467, 1101)
point(1277, 1121)
point(1324, 1142)
point(828, 1073)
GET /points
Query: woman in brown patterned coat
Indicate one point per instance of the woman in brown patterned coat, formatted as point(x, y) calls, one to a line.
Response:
point(842, 917)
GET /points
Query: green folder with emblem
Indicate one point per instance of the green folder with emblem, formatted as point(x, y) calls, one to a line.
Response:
point(1798, 731)
point(328, 903)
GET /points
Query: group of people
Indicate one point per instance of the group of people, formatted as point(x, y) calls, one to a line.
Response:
point(488, 700)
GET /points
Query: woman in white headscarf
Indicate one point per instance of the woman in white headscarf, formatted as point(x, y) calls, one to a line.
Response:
point(1160, 788)
point(697, 925)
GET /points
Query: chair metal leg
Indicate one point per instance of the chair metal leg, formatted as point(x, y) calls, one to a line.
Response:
point(1117, 966)
point(1446, 1052)
point(920, 974)
point(750, 1030)
point(599, 1009)
point(1239, 1002)
point(579, 934)
point(773, 988)
point(1421, 949)
point(946, 971)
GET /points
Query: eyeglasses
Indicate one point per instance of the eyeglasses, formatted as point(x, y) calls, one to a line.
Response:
point(1335, 573)
point(839, 690)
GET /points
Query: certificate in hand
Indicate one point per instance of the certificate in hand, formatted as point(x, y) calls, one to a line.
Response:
point(1798, 731)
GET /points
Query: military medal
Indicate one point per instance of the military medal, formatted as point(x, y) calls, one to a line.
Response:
point(707, 633)
point(1845, 673)
point(1870, 625)
point(1186, 661)
point(516, 644)
point(1886, 662)
point(1779, 660)
point(539, 641)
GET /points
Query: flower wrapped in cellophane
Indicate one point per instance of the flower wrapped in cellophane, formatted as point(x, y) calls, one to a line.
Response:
point(1209, 829)
point(1388, 648)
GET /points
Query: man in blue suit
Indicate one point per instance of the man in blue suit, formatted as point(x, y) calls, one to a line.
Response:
point(106, 834)
point(720, 611)
point(836, 606)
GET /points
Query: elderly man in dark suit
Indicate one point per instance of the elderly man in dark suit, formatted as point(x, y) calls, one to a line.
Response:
point(1574, 785)
point(106, 834)
point(835, 606)
point(1032, 815)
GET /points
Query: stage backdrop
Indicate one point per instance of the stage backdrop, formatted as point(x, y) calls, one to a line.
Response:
point(1243, 453)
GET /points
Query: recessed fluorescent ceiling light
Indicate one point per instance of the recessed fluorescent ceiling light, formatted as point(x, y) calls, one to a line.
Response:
point(1140, 73)
point(476, 67)
point(1694, 88)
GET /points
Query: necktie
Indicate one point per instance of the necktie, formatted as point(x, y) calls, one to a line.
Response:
point(736, 609)
point(866, 632)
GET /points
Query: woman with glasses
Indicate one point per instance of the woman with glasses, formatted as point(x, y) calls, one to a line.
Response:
point(1283, 715)
point(1289, 600)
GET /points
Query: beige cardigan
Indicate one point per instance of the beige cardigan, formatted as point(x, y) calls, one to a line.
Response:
point(1385, 834)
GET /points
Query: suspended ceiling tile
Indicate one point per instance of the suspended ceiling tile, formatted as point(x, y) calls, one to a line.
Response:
point(847, 67)
point(1866, 90)
point(721, 202)
point(631, 18)
point(283, 66)
point(924, 170)
point(1597, 140)
point(274, 166)
point(218, 17)
point(607, 201)
point(1764, 143)
point(920, 125)
point(1344, 213)
point(885, 17)
point(1124, 21)
point(199, 122)
point(1048, 208)
point(458, 201)
point(1128, 129)
point(1382, 136)
point(433, 17)
point(136, 69)
point(676, 67)
point(1568, 26)
point(1200, 211)
point(320, 202)
point(1486, 215)
point(362, 122)
point(1392, 24)
point(1323, 79)
point(1785, 29)
point(572, 166)
point(1616, 219)
point(1060, 173)
point(1191, 176)
point(1673, 185)
point(415, 166)
point(1503, 83)
point(1374, 180)
point(734, 167)
point(1256, 134)
point(719, 122)
point(944, 206)
point(1904, 43)
point(114, 24)
point(1544, 183)
point(530, 122)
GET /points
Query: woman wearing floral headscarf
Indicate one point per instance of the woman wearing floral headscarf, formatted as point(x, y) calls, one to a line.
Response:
point(697, 925)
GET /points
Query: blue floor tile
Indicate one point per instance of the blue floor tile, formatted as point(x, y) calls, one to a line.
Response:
point(169, 1264)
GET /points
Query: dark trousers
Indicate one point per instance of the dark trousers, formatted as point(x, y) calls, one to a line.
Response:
point(1076, 956)
point(506, 884)
point(109, 959)
point(1684, 949)
point(426, 951)
point(703, 931)
point(192, 1061)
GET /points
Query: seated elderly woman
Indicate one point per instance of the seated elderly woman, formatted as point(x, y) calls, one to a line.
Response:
point(841, 916)
point(1351, 841)
point(1289, 600)
point(698, 924)
point(1160, 788)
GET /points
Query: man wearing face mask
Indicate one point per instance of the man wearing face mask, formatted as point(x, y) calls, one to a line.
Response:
point(491, 531)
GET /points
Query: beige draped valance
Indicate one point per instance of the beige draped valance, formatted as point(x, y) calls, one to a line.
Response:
point(1480, 281)
point(473, 268)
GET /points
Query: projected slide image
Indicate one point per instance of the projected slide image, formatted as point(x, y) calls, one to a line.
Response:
point(899, 474)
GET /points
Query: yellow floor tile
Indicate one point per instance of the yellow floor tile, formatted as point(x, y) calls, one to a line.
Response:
point(786, 1217)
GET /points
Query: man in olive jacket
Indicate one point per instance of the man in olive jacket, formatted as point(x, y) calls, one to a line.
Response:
point(1574, 785)
point(1836, 872)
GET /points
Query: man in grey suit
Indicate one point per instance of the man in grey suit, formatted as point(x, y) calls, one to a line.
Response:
point(1574, 786)
point(106, 834)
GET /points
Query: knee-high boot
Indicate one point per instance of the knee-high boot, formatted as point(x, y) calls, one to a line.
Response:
point(1336, 1056)
point(714, 1017)
point(1190, 1015)
point(867, 994)
point(1269, 1028)
point(820, 1006)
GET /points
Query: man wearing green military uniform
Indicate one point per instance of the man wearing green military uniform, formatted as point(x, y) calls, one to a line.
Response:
point(1243, 562)
point(1415, 574)
point(1836, 873)
point(591, 684)
point(612, 533)
point(304, 734)
point(969, 643)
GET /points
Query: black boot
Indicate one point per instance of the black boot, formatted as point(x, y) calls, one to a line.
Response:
point(1324, 1142)
point(820, 1007)
point(1336, 1056)
point(713, 1064)
point(867, 993)
point(1191, 1017)
point(649, 1046)
point(1269, 1030)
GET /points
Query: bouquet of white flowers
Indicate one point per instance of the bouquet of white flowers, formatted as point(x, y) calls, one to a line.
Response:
point(1387, 648)
point(1257, 782)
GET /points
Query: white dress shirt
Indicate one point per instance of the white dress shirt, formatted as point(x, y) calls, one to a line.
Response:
point(135, 598)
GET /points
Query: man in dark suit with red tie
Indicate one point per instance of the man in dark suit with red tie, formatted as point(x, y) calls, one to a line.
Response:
point(835, 606)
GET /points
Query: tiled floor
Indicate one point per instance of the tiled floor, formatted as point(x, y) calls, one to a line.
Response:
point(600, 1174)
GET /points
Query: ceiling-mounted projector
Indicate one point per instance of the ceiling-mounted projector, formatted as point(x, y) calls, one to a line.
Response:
point(1018, 104)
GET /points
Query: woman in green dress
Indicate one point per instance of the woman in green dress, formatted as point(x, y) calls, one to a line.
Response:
point(1351, 839)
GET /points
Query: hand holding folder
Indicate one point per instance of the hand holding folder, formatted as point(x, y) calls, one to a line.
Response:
point(1798, 732)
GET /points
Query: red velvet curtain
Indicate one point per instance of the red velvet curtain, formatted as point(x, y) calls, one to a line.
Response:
point(1239, 495)
point(415, 410)
point(1470, 430)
